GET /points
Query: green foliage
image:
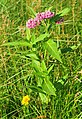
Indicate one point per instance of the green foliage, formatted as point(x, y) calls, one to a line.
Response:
point(64, 12)
point(48, 87)
point(51, 47)
point(40, 38)
point(37, 89)
point(41, 72)
point(17, 43)
point(28, 33)
point(32, 56)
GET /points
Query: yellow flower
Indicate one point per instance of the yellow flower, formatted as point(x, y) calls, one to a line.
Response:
point(25, 100)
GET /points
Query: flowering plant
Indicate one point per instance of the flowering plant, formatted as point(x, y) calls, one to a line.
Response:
point(41, 47)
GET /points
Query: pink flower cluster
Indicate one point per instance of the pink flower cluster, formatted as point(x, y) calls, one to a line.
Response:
point(31, 23)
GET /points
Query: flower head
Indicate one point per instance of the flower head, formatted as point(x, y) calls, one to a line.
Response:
point(25, 100)
point(37, 21)
point(45, 15)
point(49, 14)
point(31, 23)
point(40, 16)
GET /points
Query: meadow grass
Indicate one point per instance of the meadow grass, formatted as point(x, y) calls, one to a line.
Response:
point(15, 70)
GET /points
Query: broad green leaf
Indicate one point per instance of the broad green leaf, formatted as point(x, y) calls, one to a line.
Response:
point(44, 69)
point(64, 11)
point(32, 55)
point(36, 65)
point(39, 81)
point(44, 98)
point(43, 66)
point(51, 47)
point(48, 87)
point(41, 37)
point(17, 43)
point(26, 54)
point(39, 71)
point(37, 89)
point(40, 74)
point(28, 33)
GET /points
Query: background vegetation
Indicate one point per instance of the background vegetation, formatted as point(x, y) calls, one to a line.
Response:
point(16, 73)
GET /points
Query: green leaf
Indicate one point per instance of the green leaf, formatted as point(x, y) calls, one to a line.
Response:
point(32, 56)
point(28, 33)
point(48, 87)
point(40, 38)
point(64, 11)
point(39, 71)
point(17, 43)
point(36, 65)
point(37, 89)
point(26, 54)
point(44, 98)
point(43, 66)
point(51, 47)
